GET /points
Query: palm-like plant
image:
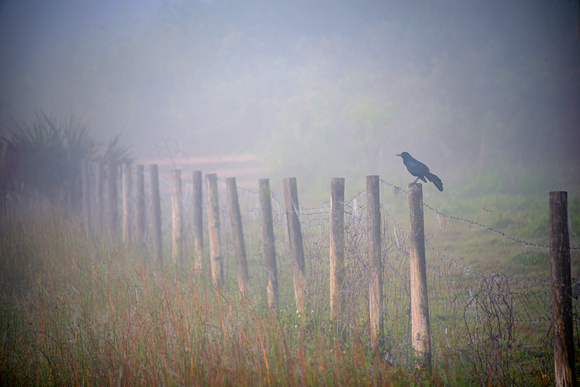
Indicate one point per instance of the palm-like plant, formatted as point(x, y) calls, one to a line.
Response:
point(51, 150)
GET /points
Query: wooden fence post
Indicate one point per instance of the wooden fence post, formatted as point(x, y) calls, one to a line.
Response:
point(336, 247)
point(140, 204)
point(562, 321)
point(176, 217)
point(375, 262)
point(197, 220)
point(99, 199)
point(213, 220)
point(295, 238)
point(86, 196)
point(269, 244)
point(127, 213)
point(156, 215)
point(113, 199)
point(238, 236)
point(420, 327)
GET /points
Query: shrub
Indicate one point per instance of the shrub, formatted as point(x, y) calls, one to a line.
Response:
point(49, 151)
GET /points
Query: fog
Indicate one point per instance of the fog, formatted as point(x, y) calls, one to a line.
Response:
point(314, 89)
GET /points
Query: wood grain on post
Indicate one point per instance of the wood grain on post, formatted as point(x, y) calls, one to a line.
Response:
point(269, 244)
point(197, 220)
point(213, 220)
point(336, 247)
point(86, 195)
point(295, 238)
point(420, 327)
point(156, 215)
point(176, 217)
point(140, 217)
point(238, 236)
point(127, 213)
point(113, 199)
point(562, 321)
point(375, 262)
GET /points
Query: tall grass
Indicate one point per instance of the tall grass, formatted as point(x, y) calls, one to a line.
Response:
point(77, 310)
point(81, 310)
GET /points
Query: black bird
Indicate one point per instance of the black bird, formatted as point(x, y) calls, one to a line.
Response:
point(417, 168)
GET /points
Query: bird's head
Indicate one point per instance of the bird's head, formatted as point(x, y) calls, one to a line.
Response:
point(404, 155)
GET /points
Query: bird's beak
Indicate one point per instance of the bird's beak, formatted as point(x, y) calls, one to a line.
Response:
point(398, 154)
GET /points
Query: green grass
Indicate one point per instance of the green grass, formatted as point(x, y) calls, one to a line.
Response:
point(82, 310)
point(525, 218)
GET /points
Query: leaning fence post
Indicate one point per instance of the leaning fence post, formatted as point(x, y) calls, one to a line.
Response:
point(126, 202)
point(156, 214)
point(113, 199)
point(269, 243)
point(375, 262)
point(176, 217)
point(197, 220)
point(336, 247)
point(420, 328)
point(213, 222)
point(562, 322)
point(295, 238)
point(238, 236)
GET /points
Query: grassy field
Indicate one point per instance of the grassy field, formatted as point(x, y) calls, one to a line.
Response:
point(80, 311)
point(84, 310)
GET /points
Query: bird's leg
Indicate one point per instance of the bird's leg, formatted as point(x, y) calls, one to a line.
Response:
point(416, 180)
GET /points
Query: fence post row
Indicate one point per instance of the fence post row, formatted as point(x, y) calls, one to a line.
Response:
point(336, 248)
point(93, 205)
point(269, 244)
point(420, 328)
point(213, 219)
point(295, 238)
point(562, 321)
point(238, 236)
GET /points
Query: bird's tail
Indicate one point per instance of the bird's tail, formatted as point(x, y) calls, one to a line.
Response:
point(435, 180)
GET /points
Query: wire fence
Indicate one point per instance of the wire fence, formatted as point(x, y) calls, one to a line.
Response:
point(495, 327)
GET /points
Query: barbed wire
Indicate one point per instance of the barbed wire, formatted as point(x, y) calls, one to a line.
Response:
point(473, 223)
point(485, 310)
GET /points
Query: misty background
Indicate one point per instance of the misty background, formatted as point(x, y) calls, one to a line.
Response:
point(481, 91)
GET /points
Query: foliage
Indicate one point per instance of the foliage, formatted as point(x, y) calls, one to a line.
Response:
point(50, 153)
point(50, 150)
